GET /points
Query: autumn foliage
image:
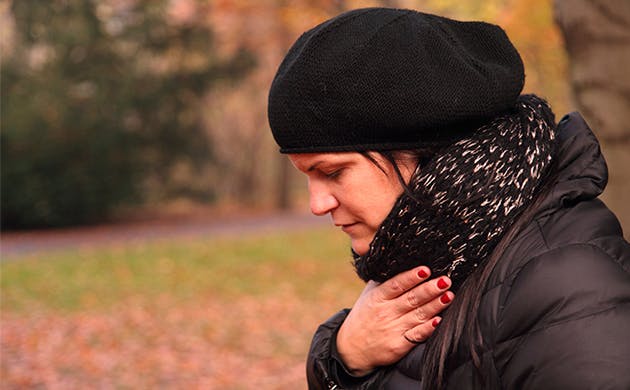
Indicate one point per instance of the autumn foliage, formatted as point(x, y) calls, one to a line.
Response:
point(138, 102)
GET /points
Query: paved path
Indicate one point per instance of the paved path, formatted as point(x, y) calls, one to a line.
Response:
point(31, 242)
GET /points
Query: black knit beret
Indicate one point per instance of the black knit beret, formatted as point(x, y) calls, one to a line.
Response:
point(386, 79)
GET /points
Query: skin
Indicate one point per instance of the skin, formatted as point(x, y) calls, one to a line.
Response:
point(355, 192)
point(359, 196)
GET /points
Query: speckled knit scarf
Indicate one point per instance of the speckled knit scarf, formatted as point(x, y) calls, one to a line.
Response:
point(465, 198)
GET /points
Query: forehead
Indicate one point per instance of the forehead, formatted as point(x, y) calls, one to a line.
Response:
point(309, 161)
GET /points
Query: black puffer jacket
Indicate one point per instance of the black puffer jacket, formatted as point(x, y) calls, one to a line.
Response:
point(556, 312)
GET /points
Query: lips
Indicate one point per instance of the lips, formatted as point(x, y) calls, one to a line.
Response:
point(347, 227)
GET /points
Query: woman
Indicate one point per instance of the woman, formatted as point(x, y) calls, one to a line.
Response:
point(414, 136)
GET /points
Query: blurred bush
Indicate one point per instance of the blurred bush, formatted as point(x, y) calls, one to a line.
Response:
point(116, 101)
point(99, 99)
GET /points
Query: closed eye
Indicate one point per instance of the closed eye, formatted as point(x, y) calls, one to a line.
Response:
point(333, 174)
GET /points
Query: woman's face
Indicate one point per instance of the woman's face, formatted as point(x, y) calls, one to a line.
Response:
point(356, 193)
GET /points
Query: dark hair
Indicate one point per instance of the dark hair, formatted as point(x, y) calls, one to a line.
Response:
point(459, 333)
point(421, 155)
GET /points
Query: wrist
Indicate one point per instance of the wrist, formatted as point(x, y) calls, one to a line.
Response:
point(351, 357)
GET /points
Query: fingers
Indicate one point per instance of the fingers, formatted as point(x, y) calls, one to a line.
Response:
point(422, 332)
point(422, 294)
point(429, 310)
point(399, 284)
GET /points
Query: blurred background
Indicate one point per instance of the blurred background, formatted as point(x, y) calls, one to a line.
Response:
point(152, 236)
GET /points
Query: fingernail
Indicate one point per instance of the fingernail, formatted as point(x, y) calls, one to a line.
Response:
point(445, 299)
point(436, 322)
point(442, 284)
point(422, 273)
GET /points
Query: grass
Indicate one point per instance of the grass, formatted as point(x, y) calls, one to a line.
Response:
point(304, 262)
point(231, 313)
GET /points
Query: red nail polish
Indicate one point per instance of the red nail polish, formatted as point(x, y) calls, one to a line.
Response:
point(422, 273)
point(445, 299)
point(442, 284)
point(436, 322)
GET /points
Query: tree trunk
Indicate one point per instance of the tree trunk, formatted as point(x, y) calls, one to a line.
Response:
point(597, 38)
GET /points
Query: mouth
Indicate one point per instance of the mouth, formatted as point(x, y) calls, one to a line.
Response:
point(346, 228)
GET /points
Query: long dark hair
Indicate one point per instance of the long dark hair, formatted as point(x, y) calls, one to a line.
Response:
point(459, 333)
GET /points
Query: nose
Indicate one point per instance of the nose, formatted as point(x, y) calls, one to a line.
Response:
point(322, 201)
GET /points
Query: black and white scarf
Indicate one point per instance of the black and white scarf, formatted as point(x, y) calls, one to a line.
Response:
point(465, 198)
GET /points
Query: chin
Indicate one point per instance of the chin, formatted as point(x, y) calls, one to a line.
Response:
point(360, 248)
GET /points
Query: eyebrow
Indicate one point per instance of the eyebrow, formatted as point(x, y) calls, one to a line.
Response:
point(312, 167)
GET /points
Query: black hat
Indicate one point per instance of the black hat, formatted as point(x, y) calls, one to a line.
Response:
point(386, 79)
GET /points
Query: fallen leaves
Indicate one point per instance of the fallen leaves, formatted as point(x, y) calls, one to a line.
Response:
point(247, 342)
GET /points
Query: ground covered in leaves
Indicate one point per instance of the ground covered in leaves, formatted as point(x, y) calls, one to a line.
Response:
point(231, 314)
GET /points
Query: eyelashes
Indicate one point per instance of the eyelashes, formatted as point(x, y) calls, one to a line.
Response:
point(333, 174)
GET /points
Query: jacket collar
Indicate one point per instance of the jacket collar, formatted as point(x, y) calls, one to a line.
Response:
point(582, 174)
point(580, 166)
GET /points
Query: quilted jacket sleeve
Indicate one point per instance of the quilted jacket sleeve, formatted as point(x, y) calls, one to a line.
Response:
point(324, 369)
point(564, 322)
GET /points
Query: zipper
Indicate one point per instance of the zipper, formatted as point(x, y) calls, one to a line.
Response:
point(330, 384)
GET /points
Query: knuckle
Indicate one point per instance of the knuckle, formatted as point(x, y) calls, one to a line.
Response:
point(420, 336)
point(413, 334)
point(395, 286)
point(412, 299)
point(420, 333)
point(420, 315)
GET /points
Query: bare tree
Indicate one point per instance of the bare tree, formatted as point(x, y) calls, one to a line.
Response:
point(597, 37)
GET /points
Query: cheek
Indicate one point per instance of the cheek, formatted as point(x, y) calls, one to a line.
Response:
point(389, 189)
point(384, 208)
point(381, 202)
point(370, 194)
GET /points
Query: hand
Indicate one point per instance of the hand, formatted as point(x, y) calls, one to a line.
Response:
point(387, 316)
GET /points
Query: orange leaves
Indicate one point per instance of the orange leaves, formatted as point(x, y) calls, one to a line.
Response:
point(250, 342)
